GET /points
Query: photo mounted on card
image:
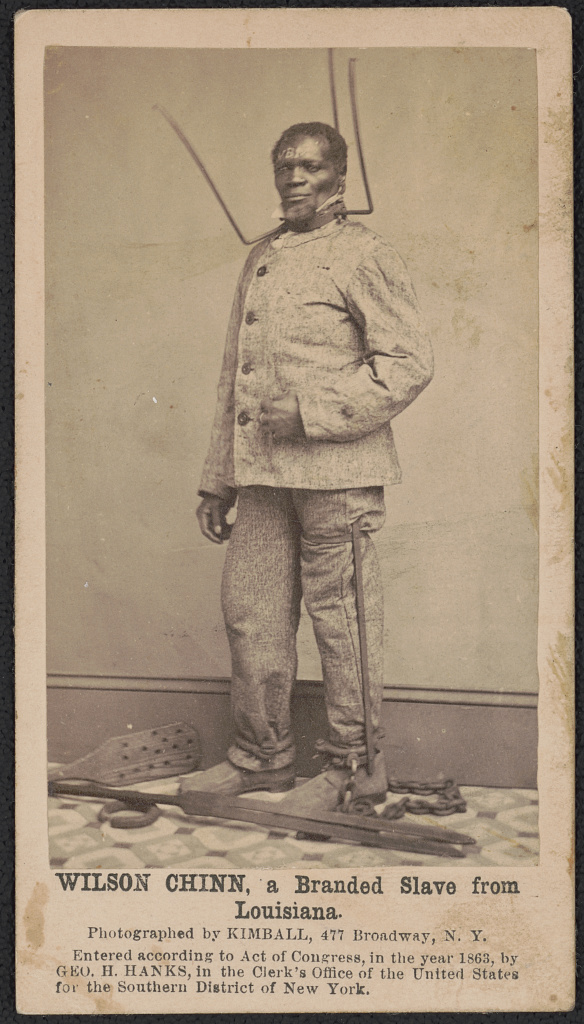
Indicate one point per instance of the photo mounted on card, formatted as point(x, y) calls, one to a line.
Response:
point(294, 580)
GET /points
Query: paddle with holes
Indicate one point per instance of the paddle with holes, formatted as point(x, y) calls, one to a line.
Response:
point(151, 754)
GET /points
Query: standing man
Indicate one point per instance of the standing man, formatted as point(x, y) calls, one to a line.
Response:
point(325, 346)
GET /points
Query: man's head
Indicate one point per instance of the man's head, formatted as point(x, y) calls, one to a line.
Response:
point(310, 163)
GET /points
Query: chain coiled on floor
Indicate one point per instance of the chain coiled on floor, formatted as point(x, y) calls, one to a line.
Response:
point(449, 800)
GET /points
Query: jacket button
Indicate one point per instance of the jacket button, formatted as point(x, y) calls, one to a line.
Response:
point(243, 418)
point(246, 368)
point(250, 317)
point(261, 271)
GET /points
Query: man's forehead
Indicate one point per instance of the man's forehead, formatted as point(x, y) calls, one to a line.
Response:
point(302, 148)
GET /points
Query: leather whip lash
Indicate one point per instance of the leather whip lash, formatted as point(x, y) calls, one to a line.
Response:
point(377, 831)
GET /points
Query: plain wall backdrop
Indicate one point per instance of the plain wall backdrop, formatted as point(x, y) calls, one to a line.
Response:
point(141, 266)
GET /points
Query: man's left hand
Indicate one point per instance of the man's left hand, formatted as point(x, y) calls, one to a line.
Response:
point(281, 416)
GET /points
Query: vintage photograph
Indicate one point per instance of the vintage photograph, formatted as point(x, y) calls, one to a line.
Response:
point(291, 371)
point(294, 599)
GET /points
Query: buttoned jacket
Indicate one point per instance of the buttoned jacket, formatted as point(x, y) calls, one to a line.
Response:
point(332, 315)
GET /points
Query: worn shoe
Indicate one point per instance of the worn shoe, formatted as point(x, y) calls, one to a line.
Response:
point(226, 778)
point(327, 791)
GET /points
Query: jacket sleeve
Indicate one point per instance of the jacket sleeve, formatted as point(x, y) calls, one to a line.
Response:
point(218, 471)
point(396, 364)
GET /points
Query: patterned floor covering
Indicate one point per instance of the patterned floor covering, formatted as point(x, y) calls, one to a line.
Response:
point(503, 822)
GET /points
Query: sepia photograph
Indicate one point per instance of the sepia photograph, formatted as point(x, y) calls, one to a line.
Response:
point(379, 372)
point(294, 603)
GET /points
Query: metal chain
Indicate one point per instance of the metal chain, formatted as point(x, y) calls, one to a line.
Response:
point(449, 797)
point(350, 786)
point(449, 800)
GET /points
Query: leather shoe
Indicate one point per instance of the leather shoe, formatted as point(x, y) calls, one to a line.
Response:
point(326, 792)
point(228, 779)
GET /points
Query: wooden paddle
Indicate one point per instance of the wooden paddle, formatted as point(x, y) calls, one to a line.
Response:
point(135, 757)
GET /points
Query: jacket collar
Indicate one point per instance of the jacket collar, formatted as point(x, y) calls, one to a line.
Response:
point(288, 239)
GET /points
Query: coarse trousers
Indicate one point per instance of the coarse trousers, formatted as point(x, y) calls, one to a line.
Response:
point(331, 315)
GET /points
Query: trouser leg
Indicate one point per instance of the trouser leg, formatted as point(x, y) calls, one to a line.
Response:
point(261, 594)
point(328, 584)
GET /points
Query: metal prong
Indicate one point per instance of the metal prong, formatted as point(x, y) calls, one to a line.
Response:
point(355, 114)
point(190, 149)
point(333, 89)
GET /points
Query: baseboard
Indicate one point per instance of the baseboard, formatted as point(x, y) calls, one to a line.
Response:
point(304, 687)
point(478, 738)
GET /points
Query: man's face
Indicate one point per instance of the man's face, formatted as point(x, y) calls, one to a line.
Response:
point(305, 177)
